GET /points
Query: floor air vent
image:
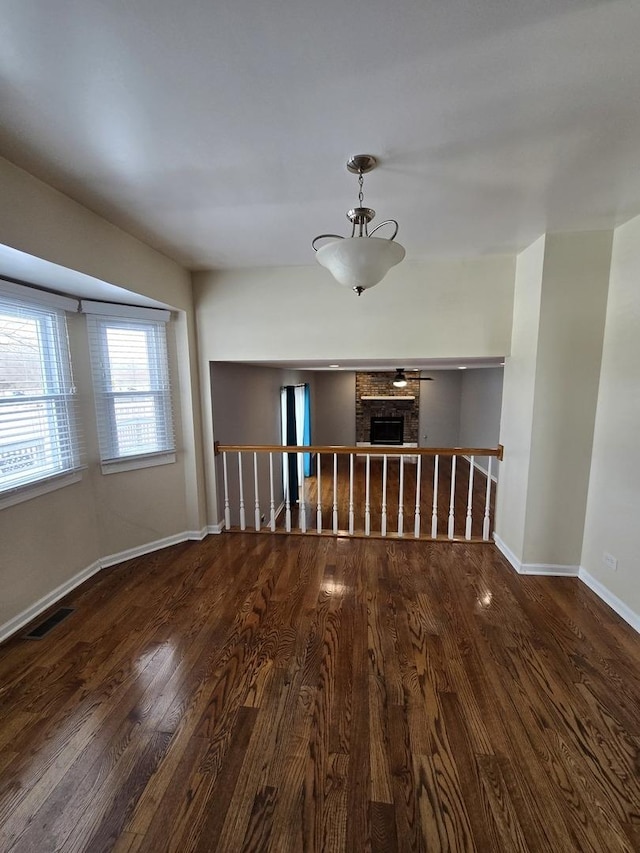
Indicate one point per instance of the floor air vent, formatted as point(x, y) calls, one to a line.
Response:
point(43, 628)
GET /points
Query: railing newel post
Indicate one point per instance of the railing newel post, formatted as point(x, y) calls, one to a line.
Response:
point(319, 495)
point(272, 503)
point(434, 509)
point(416, 524)
point(243, 520)
point(469, 520)
point(335, 493)
point(351, 494)
point(367, 506)
point(451, 525)
point(383, 508)
point(227, 507)
point(401, 498)
point(287, 494)
point(487, 503)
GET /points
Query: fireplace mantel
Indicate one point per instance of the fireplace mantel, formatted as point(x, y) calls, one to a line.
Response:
point(389, 397)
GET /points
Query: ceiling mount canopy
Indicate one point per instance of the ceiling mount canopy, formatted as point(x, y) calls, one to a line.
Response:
point(360, 261)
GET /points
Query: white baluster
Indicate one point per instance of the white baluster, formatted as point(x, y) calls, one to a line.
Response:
point(227, 508)
point(367, 507)
point(416, 525)
point(450, 529)
point(335, 492)
point(243, 520)
point(272, 502)
point(351, 494)
point(302, 509)
point(383, 508)
point(487, 503)
point(467, 528)
point(319, 497)
point(287, 493)
point(255, 488)
point(401, 498)
point(434, 511)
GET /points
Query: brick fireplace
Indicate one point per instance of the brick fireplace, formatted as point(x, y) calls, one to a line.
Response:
point(388, 403)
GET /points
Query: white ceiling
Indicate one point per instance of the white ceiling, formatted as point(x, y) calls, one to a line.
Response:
point(218, 132)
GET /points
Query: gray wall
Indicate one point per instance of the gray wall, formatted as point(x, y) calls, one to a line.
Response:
point(246, 410)
point(335, 407)
point(480, 406)
point(440, 408)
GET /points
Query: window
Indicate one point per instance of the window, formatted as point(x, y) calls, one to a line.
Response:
point(131, 383)
point(38, 435)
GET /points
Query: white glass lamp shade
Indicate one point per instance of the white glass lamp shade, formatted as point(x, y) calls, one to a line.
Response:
point(360, 262)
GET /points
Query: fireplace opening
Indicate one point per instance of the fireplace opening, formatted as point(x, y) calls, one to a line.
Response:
point(387, 430)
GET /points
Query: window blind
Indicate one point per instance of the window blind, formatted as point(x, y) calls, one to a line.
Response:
point(39, 435)
point(131, 385)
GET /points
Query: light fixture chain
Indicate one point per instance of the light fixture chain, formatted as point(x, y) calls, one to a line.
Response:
point(361, 193)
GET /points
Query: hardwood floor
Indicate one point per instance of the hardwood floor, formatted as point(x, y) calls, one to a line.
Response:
point(274, 693)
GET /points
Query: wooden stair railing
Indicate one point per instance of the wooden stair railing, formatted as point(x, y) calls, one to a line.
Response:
point(441, 474)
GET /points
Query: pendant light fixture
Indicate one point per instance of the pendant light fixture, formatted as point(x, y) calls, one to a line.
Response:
point(362, 260)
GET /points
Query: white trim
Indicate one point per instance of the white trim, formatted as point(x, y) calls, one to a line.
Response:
point(38, 297)
point(41, 487)
point(132, 312)
point(548, 569)
point(31, 612)
point(615, 603)
point(133, 463)
point(508, 553)
point(279, 509)
point(196, 535)
point(216, 528)
point(19, 621)
point(141, 550)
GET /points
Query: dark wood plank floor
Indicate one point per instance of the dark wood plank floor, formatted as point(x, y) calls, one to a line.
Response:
point(274, 693)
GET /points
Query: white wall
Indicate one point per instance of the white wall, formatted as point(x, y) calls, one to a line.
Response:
point(480, 409)
point(431, 309)
point(613, 508)
point(46, 541)
point(517, 401)
point(556, 394)
point(572, 319)
point(335, 407)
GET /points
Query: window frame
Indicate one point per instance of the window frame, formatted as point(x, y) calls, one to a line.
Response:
point(63, 456)
point(156, 344)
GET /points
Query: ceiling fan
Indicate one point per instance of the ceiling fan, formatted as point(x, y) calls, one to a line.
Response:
point(400, 379)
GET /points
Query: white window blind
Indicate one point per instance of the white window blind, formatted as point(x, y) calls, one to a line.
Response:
point(38, 404)
point(131, 384)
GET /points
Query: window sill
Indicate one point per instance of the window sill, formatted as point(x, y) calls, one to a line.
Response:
point(133, 463)
point(43, 487)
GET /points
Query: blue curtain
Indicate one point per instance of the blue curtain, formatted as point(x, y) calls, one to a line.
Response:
point(296, 429)
point(306, 431)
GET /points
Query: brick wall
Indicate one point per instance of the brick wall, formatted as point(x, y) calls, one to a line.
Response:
point(381, 385)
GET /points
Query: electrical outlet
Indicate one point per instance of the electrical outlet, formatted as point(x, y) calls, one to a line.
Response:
point(610, 561)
